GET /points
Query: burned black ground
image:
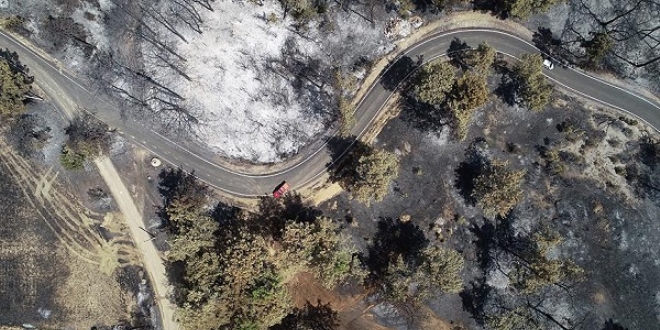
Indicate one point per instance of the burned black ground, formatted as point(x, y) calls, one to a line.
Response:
point(608, 217)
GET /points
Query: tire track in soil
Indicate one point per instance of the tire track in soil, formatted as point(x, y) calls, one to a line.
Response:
point(74, 226)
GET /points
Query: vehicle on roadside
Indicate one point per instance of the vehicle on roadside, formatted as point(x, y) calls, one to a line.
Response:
point(281, 189)
point(548, 64)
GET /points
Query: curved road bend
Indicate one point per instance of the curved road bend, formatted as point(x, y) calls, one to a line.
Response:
point(68, 91)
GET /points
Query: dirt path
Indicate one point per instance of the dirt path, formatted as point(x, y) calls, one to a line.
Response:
point(151, 259)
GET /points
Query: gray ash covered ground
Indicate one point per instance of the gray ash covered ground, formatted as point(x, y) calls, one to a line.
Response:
point(608, 218)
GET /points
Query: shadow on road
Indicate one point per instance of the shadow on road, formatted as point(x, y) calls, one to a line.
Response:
point(396, 72)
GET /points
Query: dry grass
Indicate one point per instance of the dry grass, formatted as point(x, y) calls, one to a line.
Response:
point(85, 291)
point(90, 296)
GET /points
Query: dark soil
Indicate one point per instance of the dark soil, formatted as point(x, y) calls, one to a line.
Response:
point(29, 270)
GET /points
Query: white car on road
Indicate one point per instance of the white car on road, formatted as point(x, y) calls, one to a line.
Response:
point(548, 64)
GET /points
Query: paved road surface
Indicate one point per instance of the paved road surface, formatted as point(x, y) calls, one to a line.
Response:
point(70, 91)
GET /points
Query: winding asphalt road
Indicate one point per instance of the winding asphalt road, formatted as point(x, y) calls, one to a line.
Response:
point(69, 92)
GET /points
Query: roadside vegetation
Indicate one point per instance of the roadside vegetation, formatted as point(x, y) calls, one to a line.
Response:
point(232, 267)
point(448, 93)
point(87, 138)
point(364, 171)
point(235, 265)
point(529, 82)
point(15, 87)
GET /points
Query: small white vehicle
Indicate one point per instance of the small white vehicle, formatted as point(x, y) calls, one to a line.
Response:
point(548, 64)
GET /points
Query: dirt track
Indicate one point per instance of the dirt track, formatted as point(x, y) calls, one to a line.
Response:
point(151, 260)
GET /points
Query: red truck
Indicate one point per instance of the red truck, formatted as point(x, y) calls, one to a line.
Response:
point(281, 189)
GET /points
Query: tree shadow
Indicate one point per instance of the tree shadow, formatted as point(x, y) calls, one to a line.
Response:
point(274, 214)
point(318, 317)
point(231, 220)
point(15, 64)
point(345, 154)
point(175, 182)
point(468, 170)
point(423, 116)
point(508, 88)
point(545, 41)
point(393, 238)
point(485, 244)
point(611, 325)
point(496, 8)
point(309, 77)
point(474, 299)
point(397, 71)
point(649, 152)
point(176, 273)
point(456, 53)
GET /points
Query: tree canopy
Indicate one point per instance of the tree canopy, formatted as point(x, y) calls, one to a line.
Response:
point(433, 82)
point(481, 58)
point(87, 138)
point(468, 93)
point(524, 8)
point(532, 87)
point(497, 188)
point(366, 172)
point(597, 47)
point(232, 270)
point(405, 268)
point(14, 85)
point(310, 317)
point(537, 270)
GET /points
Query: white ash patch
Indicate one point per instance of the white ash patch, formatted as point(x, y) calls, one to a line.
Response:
point(497, 279)
point(94, 26)
point(246, 107)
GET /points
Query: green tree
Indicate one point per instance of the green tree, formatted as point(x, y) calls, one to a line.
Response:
point(497, 188)
point(185, 199)
point(440, 270)
point(433, 82)
point(229, 277)
point(397, 280)
point(532, 87)
point(434, 269)
point(346, 117)
point(319, 247)
point(14, 85)
point(481, 58)
point(468, 93)
point(597, 47)
point(87, 138)
point(374, 174)
point(517, 319)
point(303, 11)
point(524, 8)
point(247, 292)
point(71, 160)
point(536, 270)
point(365, 172)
